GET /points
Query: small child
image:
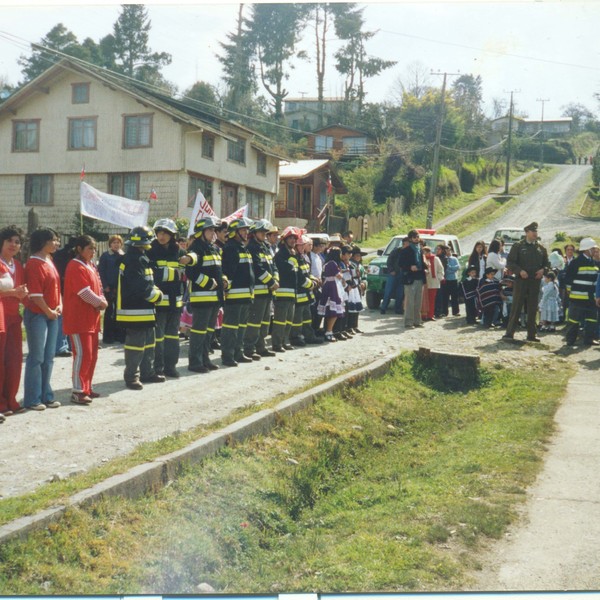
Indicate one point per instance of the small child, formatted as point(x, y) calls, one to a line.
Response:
point(469, 286)
point(549, 303)
point(488, 290)
point(506, 293)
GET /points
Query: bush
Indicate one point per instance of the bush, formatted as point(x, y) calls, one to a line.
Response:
point(448, 184)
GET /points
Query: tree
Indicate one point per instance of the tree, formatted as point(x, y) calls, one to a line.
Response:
point(352, 60)
point(415, 81)
point(133, 56)
point(60, 40)
point(499, 107)
point(580, 114)
point(238, 68)
point(5, 89)
point(203, 96)
point(468, 97)
point(274, 31)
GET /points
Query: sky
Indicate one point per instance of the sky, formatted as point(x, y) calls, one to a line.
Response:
point(540, 50)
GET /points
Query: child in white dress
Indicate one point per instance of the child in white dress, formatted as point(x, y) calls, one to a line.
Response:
point(549, 303)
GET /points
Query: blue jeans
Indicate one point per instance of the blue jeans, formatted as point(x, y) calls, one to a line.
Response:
point(394, 284)
point(62, 340)
point(41, 342)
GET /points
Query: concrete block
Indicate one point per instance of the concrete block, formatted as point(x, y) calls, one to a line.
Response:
point(260, 423)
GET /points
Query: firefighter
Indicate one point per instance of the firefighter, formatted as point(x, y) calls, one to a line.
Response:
point(136, 299)
point(266, 282)
point(580, 280)
point(285, 296)
point(237, 267)
point(302, 332)
point(206, 284)
point(164, 255)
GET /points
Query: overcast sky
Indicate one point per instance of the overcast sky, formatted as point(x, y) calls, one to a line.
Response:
point(545, 50)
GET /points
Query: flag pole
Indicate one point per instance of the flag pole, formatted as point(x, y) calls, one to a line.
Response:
point(80, 213)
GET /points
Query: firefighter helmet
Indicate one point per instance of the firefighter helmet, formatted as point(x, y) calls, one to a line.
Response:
point(206, 223)
point(261, 225)
point(139, 237)
point(291, 230)
point(166, 225)
point(239, 223)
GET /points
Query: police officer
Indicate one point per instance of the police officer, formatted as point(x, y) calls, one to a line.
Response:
point(528, 260)
point(164, 255)
point(237, 267)
point(266, 282)
point(206, 284)
point(580, 281)
point(136, 298)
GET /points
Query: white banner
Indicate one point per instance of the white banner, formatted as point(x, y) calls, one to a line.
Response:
point(240, 212)
point(112, 209)
point(201, 209)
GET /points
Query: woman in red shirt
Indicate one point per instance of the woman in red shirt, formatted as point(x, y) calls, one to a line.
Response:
point(42, 309)
point(83, 301)
point(11, 341)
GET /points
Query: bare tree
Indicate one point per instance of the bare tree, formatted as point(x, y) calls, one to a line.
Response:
point(414, 81)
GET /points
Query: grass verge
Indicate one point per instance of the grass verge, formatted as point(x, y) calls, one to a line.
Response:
point(590, 204)
point(392, 486)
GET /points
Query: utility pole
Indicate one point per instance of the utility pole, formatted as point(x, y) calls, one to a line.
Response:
point(436, 153)
point(510, 121)
point(543, 101)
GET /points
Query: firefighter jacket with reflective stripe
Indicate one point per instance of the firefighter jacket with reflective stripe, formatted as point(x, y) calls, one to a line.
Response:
point(287, 267)
point(237, 267)
point(304, 283)
point(265, 271)
point(136, 293)
point(580, 280)
point(167, 274)
point(204, 273)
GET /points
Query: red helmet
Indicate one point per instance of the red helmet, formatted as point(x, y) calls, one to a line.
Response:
point(291, 230)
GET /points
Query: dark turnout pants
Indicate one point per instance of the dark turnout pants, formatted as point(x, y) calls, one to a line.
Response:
point(283, 318)
point(204, 317)
point(166, 354)
point(575, 315)
point(235, 320)
point(528, 291)
point(139, 354)
point(259, 320)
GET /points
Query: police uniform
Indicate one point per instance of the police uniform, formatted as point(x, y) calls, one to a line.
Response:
point(136, 299)
point(530, 257)
point(259, 317)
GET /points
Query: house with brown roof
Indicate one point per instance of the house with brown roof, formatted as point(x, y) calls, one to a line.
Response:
point(341, 142)
point(134, 142)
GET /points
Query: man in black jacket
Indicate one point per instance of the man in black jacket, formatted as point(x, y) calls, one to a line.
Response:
point(413, 266)
point(394, 283)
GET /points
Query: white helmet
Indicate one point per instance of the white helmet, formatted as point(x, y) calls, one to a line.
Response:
point(166, 225)
point(587, 244)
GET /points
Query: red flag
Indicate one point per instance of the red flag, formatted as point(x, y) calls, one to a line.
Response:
point(329, 184)
point(81, 177)
point(153, 195)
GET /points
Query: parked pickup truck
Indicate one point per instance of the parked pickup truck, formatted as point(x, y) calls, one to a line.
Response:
point(377, 269)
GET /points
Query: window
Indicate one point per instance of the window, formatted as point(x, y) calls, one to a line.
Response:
point(137, 131)
point(261, 163)
point(236, 151)
point(199, 183)
point(323, 143)
point(208, 146)
point(355, 145)
point(306, 203)
point(256, 204)
point(126, 185)
point(26, 136)
point(291, 197)
point(80, 93)
point(82, 134)
point(39, 190)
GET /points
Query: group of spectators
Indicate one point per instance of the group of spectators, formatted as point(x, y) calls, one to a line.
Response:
point(238, 282)
point(231, 285)
point(500, 289)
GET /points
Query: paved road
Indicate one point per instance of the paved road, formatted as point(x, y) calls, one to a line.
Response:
point(548, 206)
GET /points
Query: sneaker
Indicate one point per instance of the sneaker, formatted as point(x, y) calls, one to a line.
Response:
point(94, 394)
point(65, 354)
point(54, 404)
point(134, 385)
point(251, 355)
point(242, 359)
point(80, 398)
point(37, 407)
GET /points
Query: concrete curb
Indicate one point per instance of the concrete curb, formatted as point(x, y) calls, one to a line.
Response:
point(156, 474)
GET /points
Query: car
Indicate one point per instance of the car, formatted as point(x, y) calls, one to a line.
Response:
point(377, 269)
point(509, 235)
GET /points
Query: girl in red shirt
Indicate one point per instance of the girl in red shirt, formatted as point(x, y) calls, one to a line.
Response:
point(11, 341)
point(83, 300)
